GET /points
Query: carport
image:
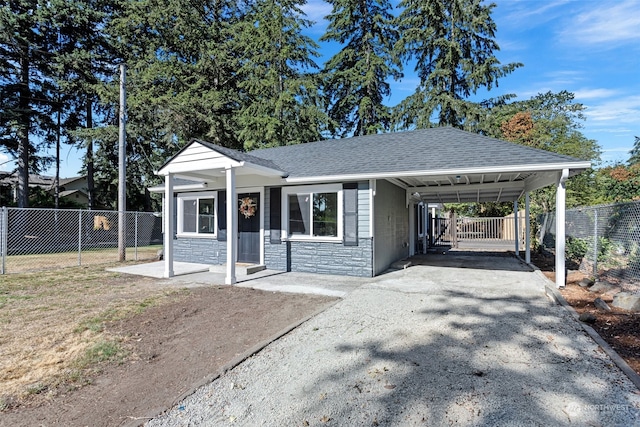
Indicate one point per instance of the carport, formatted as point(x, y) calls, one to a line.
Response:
point(499, 184)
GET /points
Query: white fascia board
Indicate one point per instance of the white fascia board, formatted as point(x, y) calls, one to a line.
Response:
point(199, 166)
point(179, 188)
point(183, 169)
point(581, 165)
point(263, 170)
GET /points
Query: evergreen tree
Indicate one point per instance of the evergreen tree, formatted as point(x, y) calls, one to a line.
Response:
point(453, 43)
point(26, 91)
point(634, 158)
point(280, 104)
point(356, 77)
point(182, 63)
point(82, 58)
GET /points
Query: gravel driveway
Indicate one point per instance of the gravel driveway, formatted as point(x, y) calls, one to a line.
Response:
point(459, 340)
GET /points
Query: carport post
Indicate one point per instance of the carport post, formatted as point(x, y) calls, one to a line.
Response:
point(527, 229)
point(168, 225)
point(516, 225)
point(561, 198)
point(232, 226)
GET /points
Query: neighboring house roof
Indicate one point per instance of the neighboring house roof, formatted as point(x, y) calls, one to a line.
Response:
point(434, 149)
point(71, 192)
point(67, 181)
point(36, 180)
point(11, 178)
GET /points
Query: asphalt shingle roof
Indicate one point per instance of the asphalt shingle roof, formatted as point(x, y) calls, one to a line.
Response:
point(433, 149)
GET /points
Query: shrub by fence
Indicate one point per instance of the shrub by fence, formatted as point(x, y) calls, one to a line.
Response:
point(38, 239)
point(603, 240)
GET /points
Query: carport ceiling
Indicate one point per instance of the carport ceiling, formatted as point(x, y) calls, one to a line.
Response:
point(480, 187)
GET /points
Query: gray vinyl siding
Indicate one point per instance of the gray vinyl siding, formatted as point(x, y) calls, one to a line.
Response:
point(391, 240)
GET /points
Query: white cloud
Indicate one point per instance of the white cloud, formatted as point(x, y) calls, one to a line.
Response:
point(528, 14)
point(316, 10)
point(6, 162)
point(616, 150)
point(619, 110)
point(594, 93)
point(610, 23)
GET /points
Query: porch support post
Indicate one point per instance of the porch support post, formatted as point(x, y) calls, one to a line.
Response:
point(516, 227)
point(527, 229)
point(561, 198)
point(168, 225)
point(232, 226)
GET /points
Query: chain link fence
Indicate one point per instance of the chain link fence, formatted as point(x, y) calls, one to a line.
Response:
point(43, 239)
point(603, 240)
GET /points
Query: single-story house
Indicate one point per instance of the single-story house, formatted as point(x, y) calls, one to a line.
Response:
point(341, 206)
point(71, 189)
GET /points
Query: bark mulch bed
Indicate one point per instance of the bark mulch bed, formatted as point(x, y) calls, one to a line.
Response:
point(619, 328)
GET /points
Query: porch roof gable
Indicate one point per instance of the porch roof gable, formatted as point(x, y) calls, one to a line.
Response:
point(201, 155)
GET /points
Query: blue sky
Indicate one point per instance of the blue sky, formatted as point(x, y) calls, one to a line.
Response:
point(588, 47)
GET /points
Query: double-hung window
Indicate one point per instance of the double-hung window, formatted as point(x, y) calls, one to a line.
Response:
point(313, 213)
point(197, 214)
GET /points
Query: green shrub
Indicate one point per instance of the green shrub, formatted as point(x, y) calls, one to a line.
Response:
point(576, 248)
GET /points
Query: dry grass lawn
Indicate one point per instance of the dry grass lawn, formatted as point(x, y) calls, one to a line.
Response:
point(51, 325)
point(41, 262)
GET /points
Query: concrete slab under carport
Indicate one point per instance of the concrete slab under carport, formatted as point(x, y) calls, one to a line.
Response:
point(480, 259)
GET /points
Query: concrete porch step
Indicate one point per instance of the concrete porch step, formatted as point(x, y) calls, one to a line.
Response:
point(241, 268)
point(401, 265)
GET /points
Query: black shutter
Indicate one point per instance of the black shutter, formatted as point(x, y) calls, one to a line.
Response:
point(275, 215)
point(350, 191)
point(222, 216)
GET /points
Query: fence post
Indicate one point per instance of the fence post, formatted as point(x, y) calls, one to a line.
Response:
point(595, 243)
point(5, 237)
point(135, 238)
point(79, 237)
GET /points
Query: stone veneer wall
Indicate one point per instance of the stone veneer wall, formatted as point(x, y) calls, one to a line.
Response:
point(321, 257)
point(198, 250)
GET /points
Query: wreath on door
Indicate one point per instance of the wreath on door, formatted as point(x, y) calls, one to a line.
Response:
point(247, 207)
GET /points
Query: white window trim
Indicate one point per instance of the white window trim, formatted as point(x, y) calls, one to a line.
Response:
point(328, 188)
point(180, 198)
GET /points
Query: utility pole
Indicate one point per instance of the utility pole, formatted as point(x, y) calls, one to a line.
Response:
point(122, 169)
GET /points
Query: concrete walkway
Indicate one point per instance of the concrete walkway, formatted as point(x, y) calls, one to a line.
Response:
point(462, 340)
point(192, 275)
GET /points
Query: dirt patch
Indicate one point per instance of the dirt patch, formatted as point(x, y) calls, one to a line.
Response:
point(163, 352)
point(619, 328)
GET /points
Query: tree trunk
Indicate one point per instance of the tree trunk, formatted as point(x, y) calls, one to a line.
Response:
point(23, 132)
point(57, 179)
point(89, 159)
